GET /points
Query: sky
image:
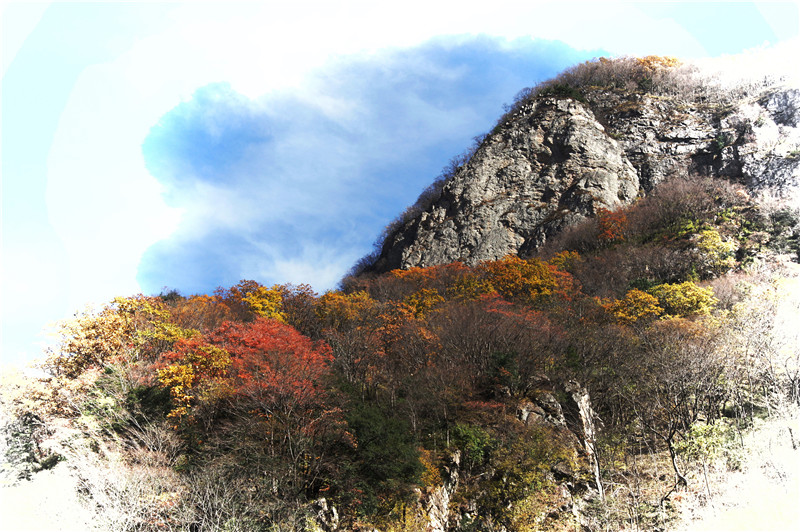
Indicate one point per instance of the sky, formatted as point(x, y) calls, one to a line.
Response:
point(152, 146)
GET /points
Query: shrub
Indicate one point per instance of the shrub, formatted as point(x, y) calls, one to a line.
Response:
point(716, 254)
point(612, 225)
point(681, 200)
point(473, 442)
point(561, 90)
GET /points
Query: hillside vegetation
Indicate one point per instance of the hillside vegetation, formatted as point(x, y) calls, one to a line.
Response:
point(606, 381)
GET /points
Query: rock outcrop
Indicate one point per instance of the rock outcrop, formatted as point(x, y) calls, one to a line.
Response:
point(554, 161)
point(565, 413)
point(752, 139)
point(547, 168)
point(436, 502)
point(324, 515)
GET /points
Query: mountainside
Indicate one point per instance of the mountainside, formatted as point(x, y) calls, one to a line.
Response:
point(598, 137)
point(631, 372)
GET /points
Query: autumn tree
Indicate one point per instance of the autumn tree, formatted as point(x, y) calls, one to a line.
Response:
point(155, 329)
point(349, 324)
point(438, 277)
point(635, 307)
point(200, 312)
point(124, 331)
point(565, 261)
point(529, 281)
point(490, 346)
point(196, 374)
point(611, 225)
point(299, 308)
point(284, 376)
point(249, 299)
point(716, 255)
point(405, 345)
point(470, 287)
point(684, 299)
point(423, 301)
point(89, 340)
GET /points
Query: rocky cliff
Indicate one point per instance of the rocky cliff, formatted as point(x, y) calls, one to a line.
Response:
point(560, 155)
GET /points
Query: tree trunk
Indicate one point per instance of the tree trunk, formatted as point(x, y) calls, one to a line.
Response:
point(680, 480)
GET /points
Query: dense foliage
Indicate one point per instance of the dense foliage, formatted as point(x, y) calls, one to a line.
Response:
point(236, 410)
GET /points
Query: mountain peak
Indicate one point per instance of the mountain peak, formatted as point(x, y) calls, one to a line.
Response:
point(598, 136)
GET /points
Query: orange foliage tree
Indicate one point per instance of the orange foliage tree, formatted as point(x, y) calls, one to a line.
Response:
point(405, 346)
point(433, 277)
point(200, 312)
point(530, 281)
point(611, 225)
point(349, 325)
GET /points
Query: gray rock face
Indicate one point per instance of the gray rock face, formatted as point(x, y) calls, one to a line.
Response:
point(751, 140)
point(436, 503)
point(554, 162)
point(549, 167)
point(325, 515)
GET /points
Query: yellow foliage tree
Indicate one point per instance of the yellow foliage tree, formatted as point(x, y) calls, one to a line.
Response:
point(566, 260)
point(658, 62)
point(684, 299)
point(423, 301)
point(635, 306)
point(249, 299)
point(266, 302)
point(152, 327)
point(470, 287)
point(91, 338)
point(339, 310)
point(197, 371)
point(716, 253)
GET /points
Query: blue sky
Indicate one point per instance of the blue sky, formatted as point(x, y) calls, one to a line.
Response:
point(151, 145)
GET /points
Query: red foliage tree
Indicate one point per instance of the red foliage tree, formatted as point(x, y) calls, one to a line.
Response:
point(612, 225)
point(273, 363)
point(271, 373)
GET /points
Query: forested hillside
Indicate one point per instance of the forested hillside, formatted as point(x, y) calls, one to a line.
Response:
point(605, 380)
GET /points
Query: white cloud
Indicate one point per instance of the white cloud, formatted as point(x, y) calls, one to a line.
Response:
point(101, 201)
point(319, 266)
point(777, 61)
point(260, 47)
point(18, 21)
